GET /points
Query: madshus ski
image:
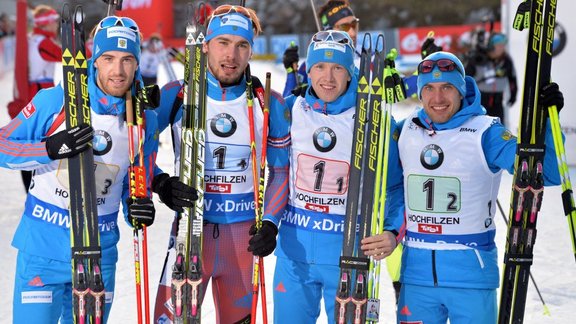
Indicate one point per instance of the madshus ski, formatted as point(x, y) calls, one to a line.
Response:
point(187, 269)
point(87, 283)
point(528, 184)
point(352, 291)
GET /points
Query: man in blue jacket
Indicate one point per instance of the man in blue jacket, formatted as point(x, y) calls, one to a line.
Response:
point(453, 155)
point(36, 139)
point(311, 231)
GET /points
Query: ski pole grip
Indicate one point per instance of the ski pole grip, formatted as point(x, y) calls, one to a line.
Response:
point(129, 109)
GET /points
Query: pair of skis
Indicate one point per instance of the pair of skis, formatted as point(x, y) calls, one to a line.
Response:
point(87, 283)
point(366, 197)
point(187, 269)
point(527, 191)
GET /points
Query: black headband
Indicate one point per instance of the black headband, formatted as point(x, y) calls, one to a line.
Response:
point(332, 15)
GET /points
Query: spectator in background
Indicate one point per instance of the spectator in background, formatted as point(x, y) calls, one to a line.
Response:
point(150, 59)
point(43, 53)
point(493, 70)
point(6, 26)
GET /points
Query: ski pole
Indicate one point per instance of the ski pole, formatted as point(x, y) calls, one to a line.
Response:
point(113, 5)
point(295, 67)
point(567, 193)
point(258, 264)
point(142, 95)
point(546, 310)
point(133, 188)
point(318, 26)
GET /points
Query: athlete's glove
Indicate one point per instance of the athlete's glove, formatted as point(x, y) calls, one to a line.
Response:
point(300, 90)
point(290, 58)
point(428, 47)
point(69, 142)
point(263, 241)
point(550, 95)
point(141, 212)
point(173, 192)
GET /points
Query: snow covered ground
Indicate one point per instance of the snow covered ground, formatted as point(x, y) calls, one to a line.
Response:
point(554, 268)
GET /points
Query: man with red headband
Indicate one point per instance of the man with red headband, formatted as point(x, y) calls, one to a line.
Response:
point(43, 50)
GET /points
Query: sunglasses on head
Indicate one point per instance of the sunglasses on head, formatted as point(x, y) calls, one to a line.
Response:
point(444, 65)
point(113, 21)
point(347, 26)
point(248, 13)
point(226, 9)
point(333, 36)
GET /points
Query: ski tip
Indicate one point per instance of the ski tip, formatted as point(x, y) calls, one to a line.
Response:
point(380, 43)
point(367, 43)
point(65, 13)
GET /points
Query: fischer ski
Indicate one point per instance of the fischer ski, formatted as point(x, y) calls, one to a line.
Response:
point(352, 292)
point(187, 269)
point(528, 184)
point(394, 91)
point(348, 262)
point(87, 283)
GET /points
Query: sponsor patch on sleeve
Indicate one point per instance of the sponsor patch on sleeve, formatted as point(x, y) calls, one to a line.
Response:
point(29, 110)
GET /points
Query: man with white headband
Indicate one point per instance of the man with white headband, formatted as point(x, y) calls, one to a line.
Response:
point(315, 183)
point(36, 139)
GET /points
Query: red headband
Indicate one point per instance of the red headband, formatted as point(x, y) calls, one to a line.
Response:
point(46, 17)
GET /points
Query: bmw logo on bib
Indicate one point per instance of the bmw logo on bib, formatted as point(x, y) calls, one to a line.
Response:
point(431, 157)
point(324, 139)
point(101, 143)
point(223, 125)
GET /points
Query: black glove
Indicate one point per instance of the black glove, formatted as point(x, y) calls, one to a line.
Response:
point(290, 57)
point(429, 47)
point(173, 192)
point(300, 90)
point(511, 102)
point(141, 212)
point(263, 241)
point(69, 142)
point(550, 95)
point(149, 96)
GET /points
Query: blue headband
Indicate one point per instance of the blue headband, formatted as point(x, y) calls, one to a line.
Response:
point(116, 38)
point(231, 24)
